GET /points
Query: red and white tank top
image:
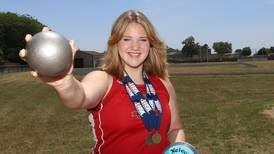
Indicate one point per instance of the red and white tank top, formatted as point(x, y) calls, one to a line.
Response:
point(116, 127)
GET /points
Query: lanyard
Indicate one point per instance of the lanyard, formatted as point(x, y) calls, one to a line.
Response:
point(148, 108)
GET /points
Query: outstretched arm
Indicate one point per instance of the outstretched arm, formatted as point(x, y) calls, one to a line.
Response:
point(73, 93)
point(87, 93)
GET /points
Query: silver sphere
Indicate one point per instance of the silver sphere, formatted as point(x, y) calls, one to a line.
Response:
point(49, 54)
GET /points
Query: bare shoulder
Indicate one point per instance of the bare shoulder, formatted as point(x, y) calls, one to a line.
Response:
point(96, 85)
point(97, 76)
point(168, 85)
point(98, 81)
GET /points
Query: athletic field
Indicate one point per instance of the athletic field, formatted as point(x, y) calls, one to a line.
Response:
point(226, 108)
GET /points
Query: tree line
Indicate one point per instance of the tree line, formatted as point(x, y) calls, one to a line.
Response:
point(14, 27)
point(190, 48)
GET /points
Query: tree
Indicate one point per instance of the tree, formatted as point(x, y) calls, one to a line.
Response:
point(1, 57)
point(246, 51)
point(13, 28)
point(205, 51)
point(169, 49)
point(2, 36)
point(190, 48)
point(271, 49)
point(221, 48)
point(263, 51)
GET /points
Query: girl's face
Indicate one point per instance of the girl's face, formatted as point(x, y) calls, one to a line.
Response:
point(134, 46)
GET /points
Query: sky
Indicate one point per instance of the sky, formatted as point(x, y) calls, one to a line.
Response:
point(240, 22)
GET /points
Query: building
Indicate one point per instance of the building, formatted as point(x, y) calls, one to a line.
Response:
point(87, 59)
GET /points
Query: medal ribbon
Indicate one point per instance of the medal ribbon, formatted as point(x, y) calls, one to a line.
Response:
point(148, 108)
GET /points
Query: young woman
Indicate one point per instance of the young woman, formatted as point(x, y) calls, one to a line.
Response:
point(130, 101)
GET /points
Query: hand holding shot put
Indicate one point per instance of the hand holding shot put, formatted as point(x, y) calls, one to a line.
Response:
point(49, 54)
point(130, 101)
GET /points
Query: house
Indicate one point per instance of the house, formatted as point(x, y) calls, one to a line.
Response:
point(87, 59)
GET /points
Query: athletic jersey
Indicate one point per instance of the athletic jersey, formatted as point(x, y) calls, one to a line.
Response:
point(116, 126)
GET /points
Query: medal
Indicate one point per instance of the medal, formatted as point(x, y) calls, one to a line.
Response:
point(149, 139)
point(153, 138)
point(156, 138)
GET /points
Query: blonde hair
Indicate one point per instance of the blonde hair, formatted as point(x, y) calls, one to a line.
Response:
point(155, 64)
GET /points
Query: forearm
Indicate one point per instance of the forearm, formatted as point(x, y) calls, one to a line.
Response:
point(176, 135)
point(71, 92)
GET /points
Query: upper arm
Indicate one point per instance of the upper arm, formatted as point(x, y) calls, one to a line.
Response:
point(175, 119)
point(96, 85)
point(175, 132)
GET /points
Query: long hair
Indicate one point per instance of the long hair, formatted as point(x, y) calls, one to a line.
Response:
point(155, 64)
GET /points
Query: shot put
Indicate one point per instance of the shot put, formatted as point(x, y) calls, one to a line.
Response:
point(49, 53)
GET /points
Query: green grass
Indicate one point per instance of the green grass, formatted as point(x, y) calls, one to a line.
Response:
point(226, 67)
point(32, 120)
point(221, 114)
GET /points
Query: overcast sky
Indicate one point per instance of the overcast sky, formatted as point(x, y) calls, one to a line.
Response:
point(88, 22)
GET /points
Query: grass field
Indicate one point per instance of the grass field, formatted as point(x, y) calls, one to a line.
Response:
point(221, 114)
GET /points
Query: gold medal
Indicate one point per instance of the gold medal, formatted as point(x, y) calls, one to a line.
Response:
point(156, 138)
point(149, 139)
point(153, 138)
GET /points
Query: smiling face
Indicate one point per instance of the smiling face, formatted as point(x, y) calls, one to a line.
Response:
point(134, 46)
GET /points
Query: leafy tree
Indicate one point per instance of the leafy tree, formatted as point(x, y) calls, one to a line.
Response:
point(271, 49)
point(1, 56)
point(169, 49)
point(221, 48)
point(205, 47)
point(263, 51)
point(205, 51)
point(2, 36)
point(246, 51)
point(13, 28)
point(190, 48)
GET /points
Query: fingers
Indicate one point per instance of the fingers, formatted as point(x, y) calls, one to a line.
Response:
point(28, 38)
point(45, 29)
point(23, 54)
point(74, 47)
point(34, 73)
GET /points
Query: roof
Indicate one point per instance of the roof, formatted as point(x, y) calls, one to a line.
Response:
point(174, 53)
point(90, 52)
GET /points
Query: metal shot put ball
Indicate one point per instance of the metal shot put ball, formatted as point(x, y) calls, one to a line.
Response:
point(49, 54)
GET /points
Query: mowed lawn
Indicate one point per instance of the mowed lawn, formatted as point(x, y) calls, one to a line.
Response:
point(221, 114)
point(33, 121)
